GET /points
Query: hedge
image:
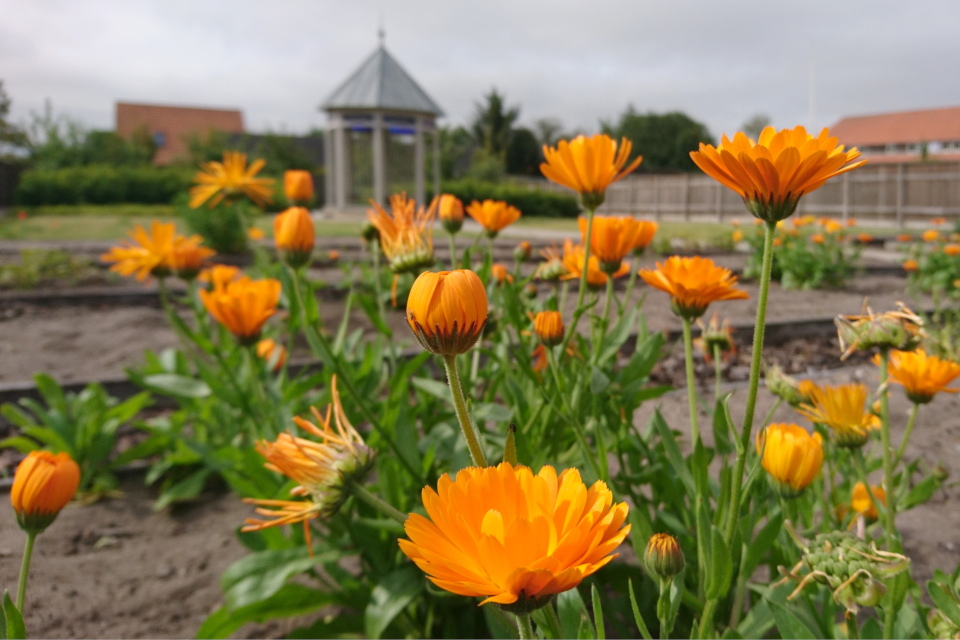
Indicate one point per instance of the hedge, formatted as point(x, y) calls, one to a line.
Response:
point(531, 202)
point(103, 184)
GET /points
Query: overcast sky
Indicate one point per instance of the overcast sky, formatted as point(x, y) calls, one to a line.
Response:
point(580, 62)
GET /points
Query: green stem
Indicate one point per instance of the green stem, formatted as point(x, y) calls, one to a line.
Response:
point(473, 443)
point(552, 364)
point(453, 252)
point(553, 622)
point(524, 626)
point(606, 315)
point(860, 466)
point(890, 524)
point(773, 409)
point(853, 633)
point(564, 289)
point(374, 501)
point(24, 571)
point(583, 282)
point(691, 381)
point(490, 246)
point(912, 420)
point(663, 607)
point(717, 373)
point(630, 284)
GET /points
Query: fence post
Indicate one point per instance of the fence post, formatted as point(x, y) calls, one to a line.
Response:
point(686, 197)
point(845, 206)
point(719, 202)
point(656, 197)
point(900, 194)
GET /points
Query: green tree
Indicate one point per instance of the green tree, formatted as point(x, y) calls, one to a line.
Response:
point(664, 140)
point(12, 137)
point(492, 125)
point(549, 131)
point(524, 154)
point(755, 125)
point(455, 146)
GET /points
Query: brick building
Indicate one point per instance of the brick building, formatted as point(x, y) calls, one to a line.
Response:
point(903, 136)
point(171, 126)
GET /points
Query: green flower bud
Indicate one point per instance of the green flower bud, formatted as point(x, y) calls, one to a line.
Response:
point(663, 556)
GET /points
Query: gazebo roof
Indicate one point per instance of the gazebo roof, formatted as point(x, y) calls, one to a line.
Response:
point(381, 83)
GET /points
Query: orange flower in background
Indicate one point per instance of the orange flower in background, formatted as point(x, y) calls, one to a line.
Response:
point(447, 311)
point(270, 351)
point(148, 254)
point(862, 505)
point(243, 305)
point(833, 226)
point(256, 233)
point(864, 237)
point(230, 179)
point(938, 221)
point(772, 174)
point(737, 236)
point(320, 469)
point(612, 239)
point(803, 221)
point(952, 250)
point(493, 215)
point(777, 242)
point(188, 257)
point(648, 229)
point(791, 456)
point(298, 185)
point(512, 537)
point(910, 265)
point(596, 277)
point(817, 238)
point(500, 275)
point(930, 235)
point(523, 251)
point(904, 237)
point(333, 255)
point(406, 233)
point(219, 275)
point(294, 236)
point(693, 284)
point(844, 410)
point(451, 212)
point(538, 359)
point(548, 325)
point(922, 376)
point(588, 165)
point(43, 485)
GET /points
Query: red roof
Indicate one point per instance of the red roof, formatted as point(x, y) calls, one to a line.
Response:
point(171, 126)
point(902, 127)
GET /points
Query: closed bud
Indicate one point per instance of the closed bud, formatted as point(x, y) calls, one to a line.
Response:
point(447, 311)
point(272, 353)
point(663, 556)
point(298, 185)
point(43, 485)
point(548, 326)
point(294, 235)
point(784, 386)
point(900, 329)
point(369, 232)
point(791, 456)
point(522, 252)
point(450, 213)
point(500, 275)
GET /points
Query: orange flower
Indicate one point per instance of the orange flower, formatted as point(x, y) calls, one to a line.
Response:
point(833, 226)
point(777, 242)
point(771, 175)
point(229, 180)
point(817, 238)
point(648, 229)
point(573, 261)
point(523, 251)
point(256, 233)
point(548, 326)
point(243, 305)
point(910, 265)
point(271, 352)
point(447, 311)
point(737, 235)
point(514, 538)
point(693, 284)
point(931, 235)
point(904, 237)
point(588, 165)
point(938, 221)
point(333, 255)
point(612, 239)
point(865, 238)
point(219, 275)
point(921, 375)
point(294, 235)
point(539, 360)
point(791, 456)
point(298, 185)
point(188, 257)
point(320, 469)
point(499, 273)
point(148, 254)
point(952, 250)
point(406, 234)
point(43, 485)
point(844, 410)
point(493, 215)
point(451, 212)
point(862, 505)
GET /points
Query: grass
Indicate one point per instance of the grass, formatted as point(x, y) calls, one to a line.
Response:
point(71, 227)
point(101, 210)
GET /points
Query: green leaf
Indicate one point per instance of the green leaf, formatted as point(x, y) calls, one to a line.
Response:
point(756, 549)
point(922, 492)
point(641, 529)
point(941, 596)
point(259, 575)
point(721, 428)
point(434, 388)
point(483, 411)
point(291, 600)
point(570, 610)
point(617, 336)
point(499, 624)
point(789, 624)
point(758, 621)
point(641, 625)
point(598, 613)
point(21, 444)
point(699, 463)
point(186, 489)
point(390, 597)
point(871, 630)
point(673, 452)
point(177, 385)
point(13, 627)
point(710, 542)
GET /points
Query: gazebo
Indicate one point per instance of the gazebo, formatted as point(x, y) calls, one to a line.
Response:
point(378, 120)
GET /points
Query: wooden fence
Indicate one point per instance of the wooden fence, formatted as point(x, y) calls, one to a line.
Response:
point(894, 195)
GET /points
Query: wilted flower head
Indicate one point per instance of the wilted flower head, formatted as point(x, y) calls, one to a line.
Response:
point(901, 329)
point(552, 267)
point(406, 233)
point(786, 387)
point(713, 336)
point(523, 251)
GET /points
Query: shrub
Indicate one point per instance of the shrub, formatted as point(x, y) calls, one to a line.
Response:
point(934, 264)
point(531, 202)
point(102, 184)
point(224, 227)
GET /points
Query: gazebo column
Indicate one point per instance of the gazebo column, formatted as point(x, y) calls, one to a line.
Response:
point(329, 167)
point(340, 163)
point(436, 160)
point(419, 161)
point(379, 160)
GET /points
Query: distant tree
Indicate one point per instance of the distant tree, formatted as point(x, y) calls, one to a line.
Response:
point(456, 144)
point(549, 131)
point(664, 140)
point(13, 140)
point(755, 125)
point(492, 125)
point(524, 154)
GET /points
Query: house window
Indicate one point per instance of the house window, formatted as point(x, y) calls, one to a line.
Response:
point(160, 139)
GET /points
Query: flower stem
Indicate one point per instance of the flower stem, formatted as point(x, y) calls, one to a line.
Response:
point(853, 633)
point(24, 571)
point(375, 501)
point(691, 381)
point(583, 281)
point(606, 316)
point(473, 443)
point(663, 607)
point(890, 524)
point(453, 252)
point(717, 373)
point(524, 626)
point(912, 420)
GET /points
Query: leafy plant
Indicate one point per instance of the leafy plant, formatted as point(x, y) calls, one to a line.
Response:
point(38, 266)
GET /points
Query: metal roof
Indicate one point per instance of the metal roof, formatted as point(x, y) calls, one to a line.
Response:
point(381, 83)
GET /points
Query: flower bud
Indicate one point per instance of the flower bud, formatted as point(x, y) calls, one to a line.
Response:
point(901, 329)
point(784, 386)
point(663, 556)
point(450, 213)
point(791, 456)
point(271, 352)
point(447, 311)
point(500, 275)
point(548, 326)
point(43, 485)
point(298, 185)
point(294, 235)
point(522, 252)
point(369, 232)
point(713, 336)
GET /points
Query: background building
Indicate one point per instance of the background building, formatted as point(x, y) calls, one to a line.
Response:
point(903, 136)
point(170, 127)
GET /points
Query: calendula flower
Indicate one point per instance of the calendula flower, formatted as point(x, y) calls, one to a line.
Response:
point(298, 185)
point(514, 538)
point(451, 212)
point(219, 275)
point(833, 226)
point(922, 376)
point(803, 221)
point(406, 233)
point(910, 265)
point(844, 410)
point(904, 237)
point(493, 215)
point(548, 325)
point(938, 221)
point(447, 311)
point(272, 353)
point(596, 277)
point(791, 456)
point(714, 335)
point(648, 229)
point(773, 173)
point(864, 238)
point(188, 257)
point(43, 484)
point(952, 250)
point(243, 305)
point(663, 557)
point(145, 253)
point(523, 251)
point(737, 235)
point(693, 284)
point(817, 238)
point(538, 360)
point(931, 235)
point(862, 505)
point(612, 239)
point(588, 165)
point(294, 235)
point(230, 179)
point(333, 255)
point(322, 470)
point(499, 273)
point(256, 233)
point(552, 267)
